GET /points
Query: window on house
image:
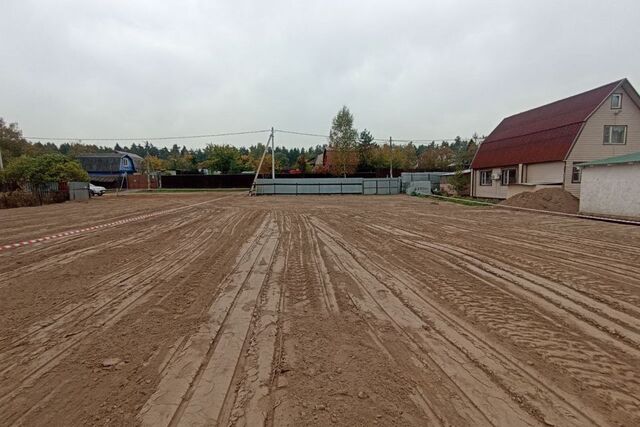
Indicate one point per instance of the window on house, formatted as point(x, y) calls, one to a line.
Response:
point(485, 177)
point(576, 173)
point(125, 162)
point(615, 134)
point(616, 101)
point(508, 177)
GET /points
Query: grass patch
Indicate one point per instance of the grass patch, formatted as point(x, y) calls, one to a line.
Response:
point(466, 201)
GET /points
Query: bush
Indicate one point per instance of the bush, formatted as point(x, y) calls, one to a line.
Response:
point(18, 199)
point(460, 182)
point(21, 199)
point(45, 168)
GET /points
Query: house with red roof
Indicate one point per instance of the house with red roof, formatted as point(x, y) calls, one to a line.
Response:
point(543, 147)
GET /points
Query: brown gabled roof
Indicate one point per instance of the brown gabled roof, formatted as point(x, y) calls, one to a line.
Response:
point(543, 134)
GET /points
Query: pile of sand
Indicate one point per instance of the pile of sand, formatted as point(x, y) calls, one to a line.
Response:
point(548, 199)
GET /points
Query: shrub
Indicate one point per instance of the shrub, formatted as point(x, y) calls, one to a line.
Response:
point(18, 199)
point(45, 168)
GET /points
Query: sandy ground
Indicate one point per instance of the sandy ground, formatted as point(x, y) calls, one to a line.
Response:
point(384, 310)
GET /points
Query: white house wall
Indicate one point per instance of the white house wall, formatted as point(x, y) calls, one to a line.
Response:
point(590, 146)
point(611, 190)
point(493, 191)
point(545, 173)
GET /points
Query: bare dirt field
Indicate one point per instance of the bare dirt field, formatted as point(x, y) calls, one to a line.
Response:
point(390, 310)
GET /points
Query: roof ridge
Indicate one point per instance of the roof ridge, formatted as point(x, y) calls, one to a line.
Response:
point(542, 134)
point(532, 133)
point(616, 82)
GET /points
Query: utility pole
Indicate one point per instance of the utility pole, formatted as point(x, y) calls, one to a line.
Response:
point(148, 174)
point(148, 168)
point(1, 165)
point(252, 191)
point(391, 158)
point(273, 155)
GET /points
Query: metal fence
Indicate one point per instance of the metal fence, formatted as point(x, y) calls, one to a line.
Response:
point(49, 192)
point(422, 177)
point(207, 181)
point(14, 195)
point(295, 186)
point(78, 191)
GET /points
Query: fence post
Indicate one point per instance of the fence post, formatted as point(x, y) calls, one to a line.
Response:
point(391, 158)
point(273, 155)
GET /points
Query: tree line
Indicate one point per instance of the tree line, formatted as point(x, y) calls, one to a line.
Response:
point(352, 151)
point(348, 150)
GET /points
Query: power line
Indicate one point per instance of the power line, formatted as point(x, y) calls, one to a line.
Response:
point(157, 138)
point(214, 135)
point(416, 140)
point(302, 133)
point(375, 139)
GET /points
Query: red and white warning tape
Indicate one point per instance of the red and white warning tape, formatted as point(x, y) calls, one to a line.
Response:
point(78, 231)
point(98, 227)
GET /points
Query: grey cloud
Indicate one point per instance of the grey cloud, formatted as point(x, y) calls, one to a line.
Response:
point(411, 69)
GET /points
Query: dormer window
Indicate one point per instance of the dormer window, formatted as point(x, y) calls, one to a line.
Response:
point(125, 162)
point(616, 101)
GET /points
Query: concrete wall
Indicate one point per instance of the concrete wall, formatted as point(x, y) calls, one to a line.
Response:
point(381, 185)
point(295, 186)
point(590, 146)
point(611, 190)
point(433, 177)
point(544, 173)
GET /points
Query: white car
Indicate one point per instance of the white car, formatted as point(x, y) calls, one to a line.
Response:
point(96, 190)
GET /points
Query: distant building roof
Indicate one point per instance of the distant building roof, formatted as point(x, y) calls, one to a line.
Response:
point(617, 160)
point(543, 134)
point(104, 178)
point(108, 162)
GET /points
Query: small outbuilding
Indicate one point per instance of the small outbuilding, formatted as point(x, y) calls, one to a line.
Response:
point(611, 186)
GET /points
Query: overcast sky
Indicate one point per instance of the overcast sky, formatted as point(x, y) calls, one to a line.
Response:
point(407, 69)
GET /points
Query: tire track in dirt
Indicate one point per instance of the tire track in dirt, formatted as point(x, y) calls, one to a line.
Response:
point(588, 368)
point(104, 226)
point(195, 386)
point(68, 251)
point(319, 266)
point(585, 312)
point(111, 286)
point(391, 349)
point(25, 222)
point(322, 359)
point(256, 376)
point(519, 380)
point(607, 284)
point(98, 313)
point(481, 400)
point(570, 244)
point(537, 241)
point(220, 261)
point(275, 311)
